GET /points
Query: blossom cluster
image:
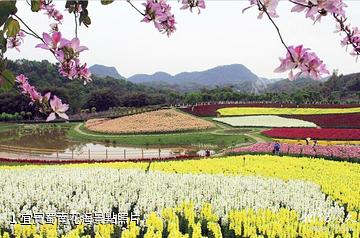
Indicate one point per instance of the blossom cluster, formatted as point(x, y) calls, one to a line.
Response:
point(159, 11)
point(308, 63)
point(15, 42)
point(315, 9)
point(103, 189)
point(352, 35)
point(51, 11)
point(268, 6)
point(190, 4)
point(67, 53)
point(46, 103)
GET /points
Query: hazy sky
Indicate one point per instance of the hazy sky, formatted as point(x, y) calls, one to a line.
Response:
point(220, 35)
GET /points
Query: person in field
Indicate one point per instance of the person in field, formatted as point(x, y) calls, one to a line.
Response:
point(276, 150)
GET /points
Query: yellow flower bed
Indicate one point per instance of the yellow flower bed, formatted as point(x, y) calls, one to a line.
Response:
point(340, 180)
point(149, 122)
point(319, 142)
point(241, 111)
point(186, 221)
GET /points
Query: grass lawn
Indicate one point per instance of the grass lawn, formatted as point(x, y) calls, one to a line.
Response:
point(7, 126)
point(187, 138)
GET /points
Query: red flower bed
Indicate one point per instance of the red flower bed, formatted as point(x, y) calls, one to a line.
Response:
point(210, 109)
point(314, 133)
point(331, 121)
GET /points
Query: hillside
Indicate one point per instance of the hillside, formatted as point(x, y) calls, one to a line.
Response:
point(103, 71)
point(101, 93)
point(236, 75)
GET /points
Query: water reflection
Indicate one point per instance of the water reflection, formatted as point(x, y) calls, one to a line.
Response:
point(51, 142)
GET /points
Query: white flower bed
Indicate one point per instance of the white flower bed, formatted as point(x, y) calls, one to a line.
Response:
point(101, 189)
point(264, 121)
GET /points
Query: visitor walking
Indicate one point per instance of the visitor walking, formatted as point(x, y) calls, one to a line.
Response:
point(276, 150)
point(315, 143)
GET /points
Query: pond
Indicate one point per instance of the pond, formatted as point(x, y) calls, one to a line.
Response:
point(50, 142)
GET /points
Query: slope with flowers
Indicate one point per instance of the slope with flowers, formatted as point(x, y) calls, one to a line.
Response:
point(160, 121)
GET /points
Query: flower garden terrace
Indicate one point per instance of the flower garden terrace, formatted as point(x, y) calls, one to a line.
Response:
point(237, 196)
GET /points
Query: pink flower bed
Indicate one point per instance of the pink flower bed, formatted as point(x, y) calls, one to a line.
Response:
point(341, 152)
point(314, 133)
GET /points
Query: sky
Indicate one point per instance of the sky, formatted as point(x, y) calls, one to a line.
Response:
point(220, 35)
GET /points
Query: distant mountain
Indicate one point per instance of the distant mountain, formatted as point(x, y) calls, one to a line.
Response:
point(292, 86)
point(103, 71)
point(156, 77)
point(236, 75)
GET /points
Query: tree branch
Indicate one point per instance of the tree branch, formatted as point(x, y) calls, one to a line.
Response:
point(347, 31)
point(76, 25)
point(143, 14)
point(298, 3)
point(29, 33)
point(262, 6)
point(33, 32)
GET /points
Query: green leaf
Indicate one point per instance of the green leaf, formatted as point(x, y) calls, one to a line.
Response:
point(84, 4)
point(70, 5)
point(106, 2)
point(12, 27)
point(35, 5)
point(3, 42)
point(84, 18)
point(6, 9)
point(7, 81)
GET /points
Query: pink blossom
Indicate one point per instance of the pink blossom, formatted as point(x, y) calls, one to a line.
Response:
point(190, 4)
point(74, 45)
point(159, 12)
point(58, 108)
point(51, 11)
point(73, 69)
point(352, 38)
point(306, 62)
point(268, 5)
point(15, 42)
point(54, 27)
point(51, 42)
point(28, 89)
point(315, 9)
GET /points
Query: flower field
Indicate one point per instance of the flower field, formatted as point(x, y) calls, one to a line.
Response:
point(314, 133)
point(159, 121)
point(243, 111)
point(243, 196)
point(264, 121)
point(331, 121)
point(333, 151)
point(210, 110)
point(320, 142)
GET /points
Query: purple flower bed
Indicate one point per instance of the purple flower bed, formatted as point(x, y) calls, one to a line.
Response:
point(351, 153)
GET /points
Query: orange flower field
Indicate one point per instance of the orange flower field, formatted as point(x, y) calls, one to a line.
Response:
point(167, 120)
